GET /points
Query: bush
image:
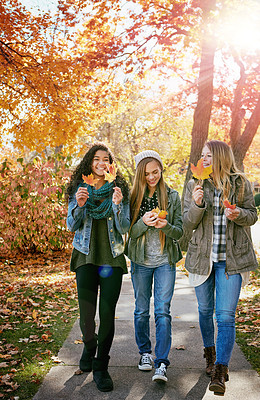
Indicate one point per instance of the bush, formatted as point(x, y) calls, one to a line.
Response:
point(257, 199)
point(32, 208)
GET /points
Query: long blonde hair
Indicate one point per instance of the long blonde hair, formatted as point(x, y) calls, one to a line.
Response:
point(138, 192)
point(223, 167)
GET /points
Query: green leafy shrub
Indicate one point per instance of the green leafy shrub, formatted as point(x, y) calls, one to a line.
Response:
point(32, 207)
point(257, 200)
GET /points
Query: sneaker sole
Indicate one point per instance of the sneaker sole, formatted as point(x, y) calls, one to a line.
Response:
point(145, 367)
point(159, 378)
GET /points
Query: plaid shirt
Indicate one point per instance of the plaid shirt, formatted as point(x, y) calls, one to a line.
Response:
point(219, 229)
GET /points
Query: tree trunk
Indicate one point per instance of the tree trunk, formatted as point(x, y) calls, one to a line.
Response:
point(201, 118)
point(238, 112)
point(244, 141)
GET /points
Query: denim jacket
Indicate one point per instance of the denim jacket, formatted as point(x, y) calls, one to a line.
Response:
point(79, 222)
point(173, 231)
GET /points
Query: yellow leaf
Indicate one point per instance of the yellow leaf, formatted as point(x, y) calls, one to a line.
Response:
point(90, 180)
point(201, 172)
point(78, 341)
point(110, 176)
point(161, 213)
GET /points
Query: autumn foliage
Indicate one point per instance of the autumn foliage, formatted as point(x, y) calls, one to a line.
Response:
point(200, 172)
point(89, 180)
point(161, 213)
point(32, 207)
point(227, 204)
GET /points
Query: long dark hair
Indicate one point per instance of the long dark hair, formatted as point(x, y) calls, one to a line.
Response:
point(85, 167)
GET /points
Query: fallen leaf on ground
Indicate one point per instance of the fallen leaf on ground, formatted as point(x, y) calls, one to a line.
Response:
point(78, 341)
point(182, 347)
point(78, 372)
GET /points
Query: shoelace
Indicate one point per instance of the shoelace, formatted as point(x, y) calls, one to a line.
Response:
point(146, 358)
point(161, 370)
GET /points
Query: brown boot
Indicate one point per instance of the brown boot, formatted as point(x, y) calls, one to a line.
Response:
point(218, 378)
point(210, 355)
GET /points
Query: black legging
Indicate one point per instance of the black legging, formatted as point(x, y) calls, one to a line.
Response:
point(88, 281)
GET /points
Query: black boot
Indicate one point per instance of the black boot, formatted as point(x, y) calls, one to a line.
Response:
point(210, 355)
point(101, 376)
point(85, 363)
point(218, 378)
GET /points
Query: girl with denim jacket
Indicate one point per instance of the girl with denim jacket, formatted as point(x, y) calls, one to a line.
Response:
point(98, 213)
point(220, 252)
point(153, 251)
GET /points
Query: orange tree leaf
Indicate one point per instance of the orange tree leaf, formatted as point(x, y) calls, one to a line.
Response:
point(201, 172)
point(110, 176)
point(89, 180)
point(227, 204)
point(160, 213)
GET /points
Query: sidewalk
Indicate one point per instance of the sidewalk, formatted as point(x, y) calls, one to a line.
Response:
point(186, 376)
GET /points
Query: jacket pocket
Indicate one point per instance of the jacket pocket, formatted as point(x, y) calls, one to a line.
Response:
point(244, 255)
point(191, 262)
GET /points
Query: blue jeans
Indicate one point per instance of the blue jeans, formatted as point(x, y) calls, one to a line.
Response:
point(222, 294)
point(164, 280)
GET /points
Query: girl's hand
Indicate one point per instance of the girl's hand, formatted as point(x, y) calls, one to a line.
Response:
point(197, 195)
point(150, 218)
point(161, 223)
point(232, 214)
point(82, 196)
point(117, 196)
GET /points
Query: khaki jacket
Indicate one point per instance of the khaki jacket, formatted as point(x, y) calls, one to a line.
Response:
point(198, 226)
point(173, 231)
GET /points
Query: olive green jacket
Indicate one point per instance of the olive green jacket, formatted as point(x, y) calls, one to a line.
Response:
point(198, 227)
point(173, 231)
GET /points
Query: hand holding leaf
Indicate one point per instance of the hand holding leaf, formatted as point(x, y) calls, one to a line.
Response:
point(200, 172)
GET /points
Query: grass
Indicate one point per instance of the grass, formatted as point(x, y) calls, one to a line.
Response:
point(248, 321)
point(38, 301)
point(39, 308)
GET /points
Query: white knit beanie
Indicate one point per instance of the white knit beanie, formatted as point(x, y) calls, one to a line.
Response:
point(145, 154)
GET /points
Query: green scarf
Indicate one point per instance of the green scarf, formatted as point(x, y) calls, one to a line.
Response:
point(95, 208)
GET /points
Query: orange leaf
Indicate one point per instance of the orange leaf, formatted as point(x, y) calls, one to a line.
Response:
point(110, 176)
point(227, 204)
point(89, 180)
point(201, 172)
point(156, 210)
point(161, 213)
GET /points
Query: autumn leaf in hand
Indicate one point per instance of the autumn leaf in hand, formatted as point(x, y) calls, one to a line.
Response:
point(200, 172)
point(227, 204)
point(89, 180)
point(161, 213)
point(110, 175)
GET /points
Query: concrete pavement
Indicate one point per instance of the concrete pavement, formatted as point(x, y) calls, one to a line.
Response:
point(186, 376)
